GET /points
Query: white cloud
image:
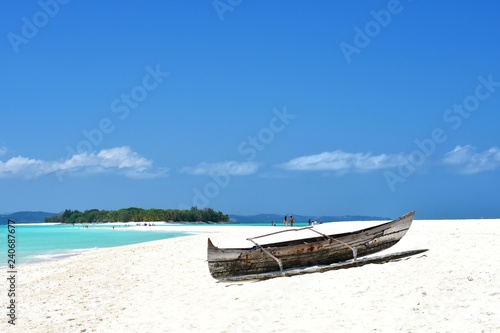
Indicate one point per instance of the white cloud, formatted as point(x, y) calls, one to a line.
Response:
point(18, 166)
point(232, 168)
point(469, 161)
point(119, 160)
point(343, 162)
point(3, 150)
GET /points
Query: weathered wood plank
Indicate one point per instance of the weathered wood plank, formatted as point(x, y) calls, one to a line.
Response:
point(320, 269)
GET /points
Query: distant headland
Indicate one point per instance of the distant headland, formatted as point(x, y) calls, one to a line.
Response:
point(193, 215)
point(134, 214)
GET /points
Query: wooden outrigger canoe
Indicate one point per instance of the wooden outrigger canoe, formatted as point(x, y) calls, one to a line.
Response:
point(226, 263)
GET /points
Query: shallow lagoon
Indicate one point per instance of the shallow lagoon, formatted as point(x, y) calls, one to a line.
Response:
point(42, 242)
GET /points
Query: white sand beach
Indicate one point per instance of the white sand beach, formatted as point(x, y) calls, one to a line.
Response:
point(165, 286)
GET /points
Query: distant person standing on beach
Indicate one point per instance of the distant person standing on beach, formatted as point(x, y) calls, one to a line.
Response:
point(291, 221)
point(285, 221)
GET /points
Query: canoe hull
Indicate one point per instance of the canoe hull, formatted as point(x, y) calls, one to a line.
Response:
point(229, 262)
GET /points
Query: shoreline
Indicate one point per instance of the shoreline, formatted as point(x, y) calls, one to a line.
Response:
point(209, 223)
point(165, 286)
point(51, 242)
point(209, 229)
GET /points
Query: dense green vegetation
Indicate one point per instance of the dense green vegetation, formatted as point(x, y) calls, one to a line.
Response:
point(139, 215)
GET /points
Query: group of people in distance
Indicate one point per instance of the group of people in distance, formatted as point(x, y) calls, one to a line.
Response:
point(291, 220)
point(285, 221)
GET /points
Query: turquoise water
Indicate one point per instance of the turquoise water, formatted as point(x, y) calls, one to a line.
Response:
point(35, 243)
point(42, 242)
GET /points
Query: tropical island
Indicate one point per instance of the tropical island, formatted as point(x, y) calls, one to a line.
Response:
point(133, 214)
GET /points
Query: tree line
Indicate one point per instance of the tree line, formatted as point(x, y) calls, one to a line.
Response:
point(134, 214)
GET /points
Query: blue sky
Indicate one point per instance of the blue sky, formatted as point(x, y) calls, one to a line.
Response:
point(320, 108)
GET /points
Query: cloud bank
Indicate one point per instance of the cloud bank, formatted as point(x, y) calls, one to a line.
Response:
point(120, 160)
point(232, 168)
point(341, 161)
point(469, 161)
